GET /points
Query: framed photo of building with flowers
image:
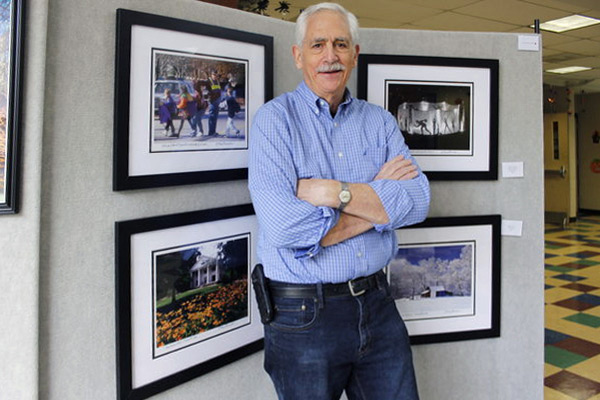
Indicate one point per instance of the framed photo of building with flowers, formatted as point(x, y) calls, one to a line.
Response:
point(185, 95)
point(184, 301)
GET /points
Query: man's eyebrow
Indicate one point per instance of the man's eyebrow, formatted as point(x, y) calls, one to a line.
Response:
point(322, 39)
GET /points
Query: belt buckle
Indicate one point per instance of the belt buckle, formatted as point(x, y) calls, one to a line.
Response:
point(352, 292)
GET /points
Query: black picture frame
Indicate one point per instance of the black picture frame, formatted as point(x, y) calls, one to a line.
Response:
point(445, 278)
point(169, 53)
point(447, 109)
point(167, 265)
point(12, 16)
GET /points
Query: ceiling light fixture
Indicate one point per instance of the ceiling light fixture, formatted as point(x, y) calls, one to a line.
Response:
point(568, 23)
point(567, 70)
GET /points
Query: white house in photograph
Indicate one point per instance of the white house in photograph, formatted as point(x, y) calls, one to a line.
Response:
point(205, 271)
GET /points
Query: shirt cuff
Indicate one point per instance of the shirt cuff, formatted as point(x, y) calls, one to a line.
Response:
point(394, 203)
point(331, 217)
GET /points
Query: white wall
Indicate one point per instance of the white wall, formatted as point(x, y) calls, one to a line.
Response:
point(65, 235)
point(20, 233)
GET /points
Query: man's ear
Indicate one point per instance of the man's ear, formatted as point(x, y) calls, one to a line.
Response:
point(356, 51)
point(297, 52)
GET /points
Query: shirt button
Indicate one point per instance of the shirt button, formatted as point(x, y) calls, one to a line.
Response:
point(335, 124)
point(359, 254)
point(310, 254)
point(340, 154)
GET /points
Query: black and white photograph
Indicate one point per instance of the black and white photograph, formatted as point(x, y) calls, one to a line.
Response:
point(434, 117)
point(446, 109)
point(184, 301)
point(183, 116)
point(445, 278)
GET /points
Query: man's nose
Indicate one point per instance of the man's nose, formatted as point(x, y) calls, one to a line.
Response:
point(330, 53)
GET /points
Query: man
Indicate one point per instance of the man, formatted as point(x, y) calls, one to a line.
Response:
point(215, 95)
point(331, 178)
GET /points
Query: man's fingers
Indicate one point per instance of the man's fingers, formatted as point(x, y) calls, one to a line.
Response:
point(395, 169)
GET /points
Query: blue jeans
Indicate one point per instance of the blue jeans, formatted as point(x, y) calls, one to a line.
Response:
point(213, 116)
point(315, 348)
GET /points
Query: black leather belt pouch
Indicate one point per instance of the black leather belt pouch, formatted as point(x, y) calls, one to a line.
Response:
point(263, 297)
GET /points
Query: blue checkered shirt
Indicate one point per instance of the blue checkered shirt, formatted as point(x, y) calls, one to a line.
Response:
point(293, 137)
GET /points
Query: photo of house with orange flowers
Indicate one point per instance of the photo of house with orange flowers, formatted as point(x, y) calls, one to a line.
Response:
point(201, 290)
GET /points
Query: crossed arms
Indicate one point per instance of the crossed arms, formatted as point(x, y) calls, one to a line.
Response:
point(365, 208)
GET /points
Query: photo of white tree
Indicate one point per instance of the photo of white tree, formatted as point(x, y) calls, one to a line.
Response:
point(430, 281)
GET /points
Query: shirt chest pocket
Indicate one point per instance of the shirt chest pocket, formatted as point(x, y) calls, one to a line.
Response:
point(368, 164)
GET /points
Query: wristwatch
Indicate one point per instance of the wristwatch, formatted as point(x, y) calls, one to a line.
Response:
point(345, 196)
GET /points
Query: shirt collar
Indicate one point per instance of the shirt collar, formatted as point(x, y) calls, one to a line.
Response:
point(315, 102)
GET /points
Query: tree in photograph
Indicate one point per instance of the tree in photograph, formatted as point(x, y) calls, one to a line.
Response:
point(232, 257)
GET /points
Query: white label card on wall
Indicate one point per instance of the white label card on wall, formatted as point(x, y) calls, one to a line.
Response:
point(529, 42)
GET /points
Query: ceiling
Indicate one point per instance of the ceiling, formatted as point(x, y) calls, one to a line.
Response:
point(579, 47)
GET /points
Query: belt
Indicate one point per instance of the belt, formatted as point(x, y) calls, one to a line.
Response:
point(354, 287)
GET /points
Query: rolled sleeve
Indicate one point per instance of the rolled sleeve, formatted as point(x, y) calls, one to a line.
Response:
point(286, 221)
point(405, 202)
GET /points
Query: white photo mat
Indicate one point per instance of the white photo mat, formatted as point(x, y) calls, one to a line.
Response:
point(144, 39)
point(481, 317)
point(480, 116)
point(148, 368)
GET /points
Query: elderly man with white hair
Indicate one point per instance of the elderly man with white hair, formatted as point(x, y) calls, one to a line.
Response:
point(331, 178)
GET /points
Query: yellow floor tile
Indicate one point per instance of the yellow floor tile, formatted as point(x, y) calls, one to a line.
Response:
point(596, 258)
point(556, 282)
point(551, 394)
point(569, 250)
point(592, 280)
point(574, 329)
point(594, 311)
point(596, 397)
point(550, 369)
point(588, 369)
point(560, 260)
point(590, 272)
point(557, 294)
point(555, 312)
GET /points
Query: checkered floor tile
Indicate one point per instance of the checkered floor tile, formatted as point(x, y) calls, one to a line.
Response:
point(572, 340)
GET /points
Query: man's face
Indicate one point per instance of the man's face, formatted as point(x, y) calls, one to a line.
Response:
point(327, 55)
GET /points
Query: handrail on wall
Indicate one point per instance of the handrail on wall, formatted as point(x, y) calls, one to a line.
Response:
point(562, 172)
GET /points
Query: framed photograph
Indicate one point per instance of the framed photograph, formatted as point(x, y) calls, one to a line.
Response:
point(446, 108)
point(185, 95)
point(184, 300)
point(11, 56)
point(445, 278)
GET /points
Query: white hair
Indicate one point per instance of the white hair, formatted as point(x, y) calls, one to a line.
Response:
point(302, 20)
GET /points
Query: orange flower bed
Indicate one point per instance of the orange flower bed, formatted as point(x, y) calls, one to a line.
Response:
point(202, 312)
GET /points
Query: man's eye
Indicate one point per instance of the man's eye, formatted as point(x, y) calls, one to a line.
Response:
point(317, 46)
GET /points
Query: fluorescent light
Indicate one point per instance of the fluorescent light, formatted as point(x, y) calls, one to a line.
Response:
point(568, 23)
point(567, 70)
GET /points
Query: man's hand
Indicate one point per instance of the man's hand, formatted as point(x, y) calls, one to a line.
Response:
point(397, 169)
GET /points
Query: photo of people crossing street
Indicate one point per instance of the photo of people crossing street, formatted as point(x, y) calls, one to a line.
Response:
point(198, 102)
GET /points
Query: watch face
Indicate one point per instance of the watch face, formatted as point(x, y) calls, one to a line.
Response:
point(345, 196)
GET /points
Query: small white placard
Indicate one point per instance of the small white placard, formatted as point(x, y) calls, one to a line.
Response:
point(512, 228)
point(529, 42)
point(512, 169)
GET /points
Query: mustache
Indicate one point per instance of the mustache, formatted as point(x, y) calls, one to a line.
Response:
point(331, 67)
